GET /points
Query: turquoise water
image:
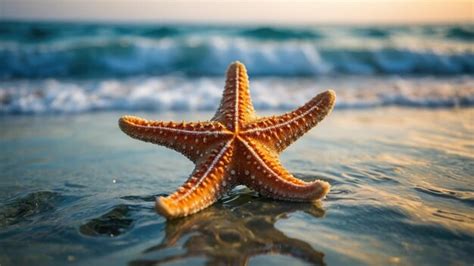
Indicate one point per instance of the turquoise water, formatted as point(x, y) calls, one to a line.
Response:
point(42, 50)
point(75, 190)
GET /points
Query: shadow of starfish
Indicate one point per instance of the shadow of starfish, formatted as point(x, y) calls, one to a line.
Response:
point(230, 233)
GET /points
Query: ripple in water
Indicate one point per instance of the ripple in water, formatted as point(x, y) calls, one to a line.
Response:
point(401, 194)
point(463, 196)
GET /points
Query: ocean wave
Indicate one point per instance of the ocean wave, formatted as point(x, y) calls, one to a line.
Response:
point(46, 31)
point(178, 93)
point(271, 33)
point(99, 57)
point(462, 33)
point(42, 50)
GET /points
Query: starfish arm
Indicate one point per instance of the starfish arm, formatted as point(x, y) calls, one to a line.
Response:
point(278, 132)
point(236, 105)
point(190, 139)
point(205, 185)
point(265, 174)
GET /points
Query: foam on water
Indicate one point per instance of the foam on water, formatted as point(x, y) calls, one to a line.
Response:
point(173, 93)
point(78, 67)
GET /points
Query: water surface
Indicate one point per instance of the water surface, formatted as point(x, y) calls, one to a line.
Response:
point(75, 190)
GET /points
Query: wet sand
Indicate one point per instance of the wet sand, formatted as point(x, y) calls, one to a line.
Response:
point(76, 189)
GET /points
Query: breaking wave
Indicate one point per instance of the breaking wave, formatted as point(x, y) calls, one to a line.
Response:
point(179, 93)
point(82, 50)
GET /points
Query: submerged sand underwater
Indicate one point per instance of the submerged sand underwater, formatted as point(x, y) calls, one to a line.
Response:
point(74, 189)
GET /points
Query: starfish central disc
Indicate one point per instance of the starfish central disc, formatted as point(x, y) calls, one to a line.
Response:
point(234, 147)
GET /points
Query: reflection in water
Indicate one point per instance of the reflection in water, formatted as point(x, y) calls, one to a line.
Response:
point(232, 231)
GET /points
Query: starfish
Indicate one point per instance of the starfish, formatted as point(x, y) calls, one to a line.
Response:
point(234, 148)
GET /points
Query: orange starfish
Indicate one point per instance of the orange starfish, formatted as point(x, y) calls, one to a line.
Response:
point(234, 147)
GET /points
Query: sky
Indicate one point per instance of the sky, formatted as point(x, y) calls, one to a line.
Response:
point(243, 12)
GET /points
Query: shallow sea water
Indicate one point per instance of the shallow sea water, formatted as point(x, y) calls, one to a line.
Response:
point(75, 190)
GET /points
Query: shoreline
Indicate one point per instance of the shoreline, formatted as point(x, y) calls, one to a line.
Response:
point(400, 177)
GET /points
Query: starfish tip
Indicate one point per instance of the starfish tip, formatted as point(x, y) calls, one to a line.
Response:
point(163, 208)
point(325, 187)
point(321, 189)
point(331, 93)
point(127, 122)
point(328, 99)
point(330, 96)
point(122, 122)
point(127, 119)
point(236, 65)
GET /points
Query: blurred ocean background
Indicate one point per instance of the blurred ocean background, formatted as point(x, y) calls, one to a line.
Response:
point(398, 150)
point(81, 67)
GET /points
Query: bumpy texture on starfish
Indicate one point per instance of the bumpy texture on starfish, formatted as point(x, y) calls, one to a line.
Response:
point(234, 147)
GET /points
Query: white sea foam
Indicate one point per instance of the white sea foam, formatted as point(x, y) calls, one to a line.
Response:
point(188, 94)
